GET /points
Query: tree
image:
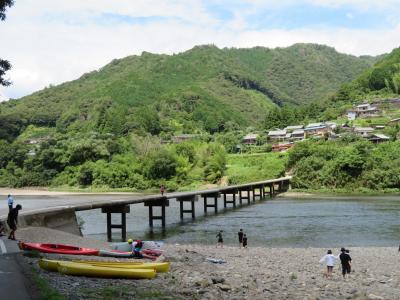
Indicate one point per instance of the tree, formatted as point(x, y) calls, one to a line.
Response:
point(4, 64)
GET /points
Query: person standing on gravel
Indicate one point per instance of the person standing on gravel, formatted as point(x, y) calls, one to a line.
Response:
point(345, 259)
point(12, 221)
point(240, 235)
point(220, 240)
point(329, 260)
point(10, 201)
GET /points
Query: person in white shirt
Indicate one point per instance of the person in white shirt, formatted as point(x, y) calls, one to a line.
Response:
point(10, 200)
point(329, 260)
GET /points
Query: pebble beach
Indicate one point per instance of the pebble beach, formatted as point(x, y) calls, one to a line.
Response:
point(252, 273)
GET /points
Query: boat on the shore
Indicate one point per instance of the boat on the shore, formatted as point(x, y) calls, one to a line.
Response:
point(58, 249)
point(80, 269)
point(52, 265)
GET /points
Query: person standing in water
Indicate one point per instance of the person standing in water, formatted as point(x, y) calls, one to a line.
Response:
point(329, 260)
point(240, 235)
point(220, 240)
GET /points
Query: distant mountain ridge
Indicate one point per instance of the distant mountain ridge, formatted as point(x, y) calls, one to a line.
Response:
point(205, 88)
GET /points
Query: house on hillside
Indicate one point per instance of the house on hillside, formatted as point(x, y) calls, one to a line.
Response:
point(316, 129)
point(394, 121)
point(363, 131)
point(250, 139)
point(362, 110)
point(277, 135)
point(183, 137)
point(293, 128)
point(378, 138)
point(298, 135)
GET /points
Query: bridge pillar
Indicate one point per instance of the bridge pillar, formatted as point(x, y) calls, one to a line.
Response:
point(260, 188)
point(157, 203)
point(232, 192)
point(123, 210)
point(192, 200)
point(241, 197)
point(215, 196)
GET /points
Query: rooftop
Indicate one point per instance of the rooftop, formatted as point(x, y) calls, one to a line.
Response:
point(277, 132)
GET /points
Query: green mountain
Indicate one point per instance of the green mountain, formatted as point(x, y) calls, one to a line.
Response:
point(205, 88)
point(380, 81)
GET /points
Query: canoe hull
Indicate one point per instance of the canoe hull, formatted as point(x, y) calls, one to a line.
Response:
point(78, 269)
point(58, 249)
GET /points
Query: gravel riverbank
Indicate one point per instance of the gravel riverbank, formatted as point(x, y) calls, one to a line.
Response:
point(253, 273)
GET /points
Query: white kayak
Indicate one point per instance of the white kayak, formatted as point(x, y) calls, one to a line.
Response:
point(154, 245)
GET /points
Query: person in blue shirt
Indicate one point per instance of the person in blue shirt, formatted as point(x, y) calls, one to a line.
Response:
point(10, 201)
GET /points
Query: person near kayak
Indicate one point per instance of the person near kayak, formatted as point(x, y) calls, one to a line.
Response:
point(10, 201)
point(345, 259)
point(244, 241)
point(136, 247)
point(329, 260)
point(12, 220)
point(220, 240)
point(240, 235)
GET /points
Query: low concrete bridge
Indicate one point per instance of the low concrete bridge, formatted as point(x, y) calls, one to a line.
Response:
point(64, 218)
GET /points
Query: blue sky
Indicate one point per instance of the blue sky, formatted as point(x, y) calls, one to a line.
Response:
point(78, 36)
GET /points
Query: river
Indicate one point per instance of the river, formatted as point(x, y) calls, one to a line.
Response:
point(281, 222)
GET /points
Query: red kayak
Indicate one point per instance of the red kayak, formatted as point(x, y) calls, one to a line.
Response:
point(58, 249)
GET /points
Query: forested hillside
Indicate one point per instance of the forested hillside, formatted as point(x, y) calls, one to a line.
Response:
point(112, 128)
point(205, 88)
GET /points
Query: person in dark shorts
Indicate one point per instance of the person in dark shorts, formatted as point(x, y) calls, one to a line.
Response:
point(240, 235)
point(244, 241)
point(12, 220)
point(345, 259)
point(220, 240)
point(348, 252)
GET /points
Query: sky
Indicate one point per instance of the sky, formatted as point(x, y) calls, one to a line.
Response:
point(49, 42)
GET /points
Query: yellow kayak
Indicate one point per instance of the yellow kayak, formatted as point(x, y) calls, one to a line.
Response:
point(160, 267)
point(52, 265)
point(73, 268)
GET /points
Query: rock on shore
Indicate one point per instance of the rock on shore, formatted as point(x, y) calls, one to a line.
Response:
point(253, 273)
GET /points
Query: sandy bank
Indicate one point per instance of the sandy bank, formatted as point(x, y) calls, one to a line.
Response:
point(253, 273)
point(46, 192)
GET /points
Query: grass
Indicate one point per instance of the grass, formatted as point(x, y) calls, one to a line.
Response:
point(45, 290)
point(243, 168)
point(125, 292)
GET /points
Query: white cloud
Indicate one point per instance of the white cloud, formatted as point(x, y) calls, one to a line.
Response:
point(47, 51)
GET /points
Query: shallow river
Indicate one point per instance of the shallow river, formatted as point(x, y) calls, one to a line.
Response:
point(282, 222)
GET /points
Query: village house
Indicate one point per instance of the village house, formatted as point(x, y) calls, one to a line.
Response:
point(394, 121)
point(297, 135)
point(277, 135)
point(183, 137)
point(250, 139)
point(316, 129)
point(362, 110)
point(378, 138)
point(363, 131)
point(293, 128)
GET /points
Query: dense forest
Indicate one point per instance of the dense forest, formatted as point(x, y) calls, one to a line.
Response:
point(113, 128)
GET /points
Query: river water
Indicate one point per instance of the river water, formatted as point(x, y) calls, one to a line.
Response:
point(282, 222)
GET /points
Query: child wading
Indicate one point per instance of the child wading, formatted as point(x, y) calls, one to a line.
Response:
point(329, 260)
point(220, 240)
